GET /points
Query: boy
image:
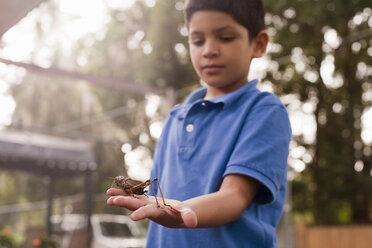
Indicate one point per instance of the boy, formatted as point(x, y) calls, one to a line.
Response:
point(222, 157)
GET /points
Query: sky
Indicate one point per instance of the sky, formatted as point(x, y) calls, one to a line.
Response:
point(76, 20)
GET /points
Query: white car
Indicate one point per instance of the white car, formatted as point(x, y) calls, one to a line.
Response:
point(116, 231)
point(108, 230)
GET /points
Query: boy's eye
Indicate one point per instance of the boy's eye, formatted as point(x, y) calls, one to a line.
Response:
point(197, 42)
point(227, 38)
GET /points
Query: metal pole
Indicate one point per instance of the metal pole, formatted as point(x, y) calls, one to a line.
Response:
point(89, 203)
point(50, 206)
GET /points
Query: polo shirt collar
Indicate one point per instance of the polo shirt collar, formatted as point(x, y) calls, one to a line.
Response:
point(227, 100)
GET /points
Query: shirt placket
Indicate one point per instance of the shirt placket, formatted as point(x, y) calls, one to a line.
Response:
point(190, 130)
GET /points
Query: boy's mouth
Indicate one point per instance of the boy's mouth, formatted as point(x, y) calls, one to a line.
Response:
point(212, 68)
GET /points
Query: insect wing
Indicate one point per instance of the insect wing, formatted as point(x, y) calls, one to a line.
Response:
point(132, 182)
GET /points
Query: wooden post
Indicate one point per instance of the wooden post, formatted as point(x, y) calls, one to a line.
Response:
point(287, 220)
point(300, 238)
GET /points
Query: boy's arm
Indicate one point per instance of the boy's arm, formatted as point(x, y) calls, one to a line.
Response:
point(227, 204)
point(218, 208)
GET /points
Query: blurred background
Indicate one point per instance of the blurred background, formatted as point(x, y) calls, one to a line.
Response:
point(85, 87)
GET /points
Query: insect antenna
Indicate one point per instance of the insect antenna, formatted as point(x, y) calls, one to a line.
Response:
point(113, 183)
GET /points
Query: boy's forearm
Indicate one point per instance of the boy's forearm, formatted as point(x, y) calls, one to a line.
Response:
point(214, 209)
point(219, 208)
point(225, 205)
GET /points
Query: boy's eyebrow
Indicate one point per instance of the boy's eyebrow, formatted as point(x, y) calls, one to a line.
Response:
point(224, 28)
point(217, 30)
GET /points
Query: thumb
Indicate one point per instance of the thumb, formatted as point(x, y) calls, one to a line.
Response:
point(188, 216)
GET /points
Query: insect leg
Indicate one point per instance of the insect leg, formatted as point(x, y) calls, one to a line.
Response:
point(145, 193)
point(156, 199)
point(161, 193)
point(132, 194)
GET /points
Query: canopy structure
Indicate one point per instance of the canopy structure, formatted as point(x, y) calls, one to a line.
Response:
point(54, 157)
point(45, 155)
point(11, 12)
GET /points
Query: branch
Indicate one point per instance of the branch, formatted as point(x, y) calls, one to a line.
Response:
point(106, 82)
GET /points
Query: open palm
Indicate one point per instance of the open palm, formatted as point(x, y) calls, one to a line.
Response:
point(174, 214)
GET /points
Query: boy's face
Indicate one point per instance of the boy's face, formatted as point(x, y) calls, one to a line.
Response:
point(220, 51)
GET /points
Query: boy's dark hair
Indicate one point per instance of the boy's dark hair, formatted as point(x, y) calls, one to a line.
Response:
point(249, 13)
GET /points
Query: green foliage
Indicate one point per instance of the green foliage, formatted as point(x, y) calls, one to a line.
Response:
point(5, 238)
point(8, 238)
point(313, 37)
point(165, 65)
point(44, 243)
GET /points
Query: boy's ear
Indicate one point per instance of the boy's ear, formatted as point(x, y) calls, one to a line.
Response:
point(259, 44)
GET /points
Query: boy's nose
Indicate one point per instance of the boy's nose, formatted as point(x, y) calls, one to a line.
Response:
point(210, 49)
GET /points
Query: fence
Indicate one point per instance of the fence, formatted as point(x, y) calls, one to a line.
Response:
point(333, 236)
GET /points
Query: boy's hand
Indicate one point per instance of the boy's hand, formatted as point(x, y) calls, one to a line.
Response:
point(176, 214)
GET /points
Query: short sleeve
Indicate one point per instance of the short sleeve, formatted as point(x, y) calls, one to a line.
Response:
point(261, 150)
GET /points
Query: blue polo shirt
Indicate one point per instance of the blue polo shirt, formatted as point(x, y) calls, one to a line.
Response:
point(244, 132)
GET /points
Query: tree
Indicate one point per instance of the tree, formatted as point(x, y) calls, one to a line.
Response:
point(139, 45)
point(144, 45)
point(321, 55)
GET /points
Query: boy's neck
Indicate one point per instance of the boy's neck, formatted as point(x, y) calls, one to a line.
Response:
point(213, 92)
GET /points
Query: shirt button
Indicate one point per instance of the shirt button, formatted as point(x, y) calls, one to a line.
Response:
point(203, 104)
point(190, 128)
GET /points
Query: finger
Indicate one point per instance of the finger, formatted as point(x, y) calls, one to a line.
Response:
point(188, 216)
point(164, 215)
point(148, 211)
point(114, 191)
point(128, 202)
point(110, 201)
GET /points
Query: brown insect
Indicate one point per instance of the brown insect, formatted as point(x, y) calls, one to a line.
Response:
point(136, 187)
